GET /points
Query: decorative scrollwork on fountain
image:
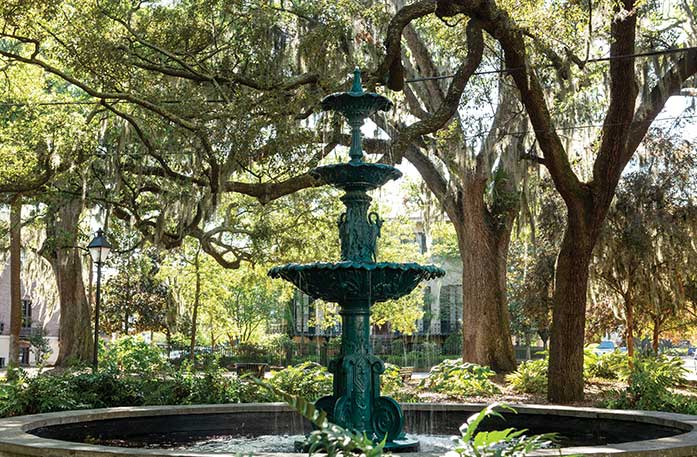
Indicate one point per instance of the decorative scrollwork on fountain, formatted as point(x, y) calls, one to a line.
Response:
point(388, 419)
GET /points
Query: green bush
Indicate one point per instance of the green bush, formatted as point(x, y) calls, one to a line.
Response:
point(454, 377)
point(392, 384)
point(131, 355)
point(613, 365)
point(308, 380)
point(649, 387)
point(40, 394)
point(529, 377)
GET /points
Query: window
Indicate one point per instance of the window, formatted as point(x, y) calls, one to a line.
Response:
point(421, 240)
point(450, 309)
point(24, 355)
point(26, 314)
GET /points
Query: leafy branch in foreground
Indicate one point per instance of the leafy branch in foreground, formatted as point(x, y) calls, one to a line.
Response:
point(499, 443)
point(333, 439)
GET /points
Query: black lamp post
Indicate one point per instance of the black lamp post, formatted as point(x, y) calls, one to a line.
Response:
point(99, 249)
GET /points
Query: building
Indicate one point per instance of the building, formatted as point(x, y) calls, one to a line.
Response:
point(38, 317)
point(442, 305)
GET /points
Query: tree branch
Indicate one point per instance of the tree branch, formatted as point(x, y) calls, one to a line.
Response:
point(652, 104)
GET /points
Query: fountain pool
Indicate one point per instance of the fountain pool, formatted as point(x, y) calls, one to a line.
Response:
point(214, 430)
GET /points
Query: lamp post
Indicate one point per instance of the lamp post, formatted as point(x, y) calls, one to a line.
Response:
point(99, 249)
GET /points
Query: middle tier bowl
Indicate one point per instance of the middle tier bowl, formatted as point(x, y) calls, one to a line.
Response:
point(346, 282)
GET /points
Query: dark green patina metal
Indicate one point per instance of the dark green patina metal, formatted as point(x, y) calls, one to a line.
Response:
point(358, 281)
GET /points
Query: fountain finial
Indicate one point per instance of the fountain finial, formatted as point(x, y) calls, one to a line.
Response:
point(357, 88)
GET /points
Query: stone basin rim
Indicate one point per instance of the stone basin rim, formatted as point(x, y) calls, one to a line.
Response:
point(15, 441)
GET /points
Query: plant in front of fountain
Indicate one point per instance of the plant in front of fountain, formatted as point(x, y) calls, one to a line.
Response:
point(498, 443)
point(327, 437)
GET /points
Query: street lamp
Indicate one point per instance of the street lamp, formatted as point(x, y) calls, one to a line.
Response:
point(99, 249)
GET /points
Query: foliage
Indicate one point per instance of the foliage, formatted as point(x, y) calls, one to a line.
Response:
point(135, 299)
point(328, 437)
point(392, 385)
point(500, 443)
point(457, 378)
point(396, 245)
point(41, 347)
point(131, 354)
point(646, 259)
point(308, 380)
point(612, 365)
point(530, 376)
point(649, 387)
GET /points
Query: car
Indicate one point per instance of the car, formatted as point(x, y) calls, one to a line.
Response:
point(691, 352)
point(605, 347)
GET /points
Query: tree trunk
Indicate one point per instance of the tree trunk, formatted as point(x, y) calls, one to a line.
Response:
point(194, 314)
point(61, 250)
point(655, 334)
point(565, 383)
point(15, 284)
point(486, 335)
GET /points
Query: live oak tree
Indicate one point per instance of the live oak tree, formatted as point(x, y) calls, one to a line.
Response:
point(645, 255)
point(44, 151)
point(170, 93)
point(627, 118)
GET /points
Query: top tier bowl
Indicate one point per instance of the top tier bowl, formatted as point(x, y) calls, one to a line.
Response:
point(356, 104)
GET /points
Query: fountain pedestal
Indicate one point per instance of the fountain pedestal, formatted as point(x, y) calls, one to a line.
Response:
point(358, 281)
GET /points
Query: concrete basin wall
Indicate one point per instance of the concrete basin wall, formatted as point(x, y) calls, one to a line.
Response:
point(16, 439)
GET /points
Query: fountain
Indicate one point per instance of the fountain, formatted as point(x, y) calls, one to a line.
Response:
point(355, 283)
point(358, 281)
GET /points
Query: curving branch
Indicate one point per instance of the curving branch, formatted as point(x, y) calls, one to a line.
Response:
point(451, 102)
point(390, 70)
point(668, 85)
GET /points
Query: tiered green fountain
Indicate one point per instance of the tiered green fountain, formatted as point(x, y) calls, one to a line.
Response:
point(358, 281)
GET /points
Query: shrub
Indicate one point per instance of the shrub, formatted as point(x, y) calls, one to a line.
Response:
point(649, 387)
point(392, 384)
point(40, 394)
point(530, 377)
point(251, 353)
point(613, 365)
point(132, 355)
point(454, 377)
point(308, 380)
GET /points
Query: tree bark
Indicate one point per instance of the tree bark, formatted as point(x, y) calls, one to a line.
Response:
point(484, 251)
point(565, 383)
point(656, 332)
point(15, 284)
point(61, 250)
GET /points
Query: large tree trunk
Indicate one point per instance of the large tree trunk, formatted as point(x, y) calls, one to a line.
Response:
point(486, 340)
point(62, 251)
point(565, 382)
point(15, 284)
